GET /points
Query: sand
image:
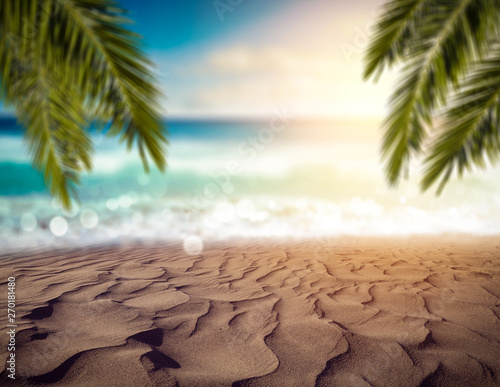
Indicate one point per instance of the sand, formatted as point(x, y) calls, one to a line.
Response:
point(341, 312)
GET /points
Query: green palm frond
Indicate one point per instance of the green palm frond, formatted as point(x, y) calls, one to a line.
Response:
point(54, 128)
point(92, 31)
point(66, 63)
point(471, 130)
point(438, 40)
point(392, 35)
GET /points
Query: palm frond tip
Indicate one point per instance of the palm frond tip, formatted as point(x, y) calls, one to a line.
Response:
point(445, 47)
point(65, 63)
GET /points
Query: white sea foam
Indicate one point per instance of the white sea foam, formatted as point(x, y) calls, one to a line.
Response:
point(162, 220)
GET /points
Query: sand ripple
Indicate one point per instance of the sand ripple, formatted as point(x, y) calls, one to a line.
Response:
point(346, 312)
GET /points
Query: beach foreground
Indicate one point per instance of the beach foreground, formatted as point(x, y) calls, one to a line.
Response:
point(344, 312)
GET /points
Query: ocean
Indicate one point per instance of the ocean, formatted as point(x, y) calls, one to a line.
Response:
point(277, 177)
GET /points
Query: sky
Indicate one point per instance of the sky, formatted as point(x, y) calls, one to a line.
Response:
point(247, 58)
point(234, 58)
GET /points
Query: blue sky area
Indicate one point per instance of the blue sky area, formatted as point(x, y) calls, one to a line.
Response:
point(251, 57)
point(170, 25)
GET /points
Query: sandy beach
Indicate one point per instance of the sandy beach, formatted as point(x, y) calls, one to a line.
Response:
point(343, 312)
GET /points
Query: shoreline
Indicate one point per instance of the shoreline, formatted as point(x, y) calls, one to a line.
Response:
point(405, 310)
point(30, 251)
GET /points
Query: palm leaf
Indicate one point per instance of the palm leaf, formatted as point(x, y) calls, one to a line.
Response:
point(449, 36)
point(471, 132)
point(94, 29)
point(392, 35)
point(59, 145)
point(64, 63)
point(52, 113)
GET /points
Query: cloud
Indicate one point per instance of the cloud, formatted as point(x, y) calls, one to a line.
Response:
point(243, 59)
point(242, 79)
point(310, 59)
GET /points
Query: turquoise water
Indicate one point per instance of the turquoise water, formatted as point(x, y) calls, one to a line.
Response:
point(278, 177)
